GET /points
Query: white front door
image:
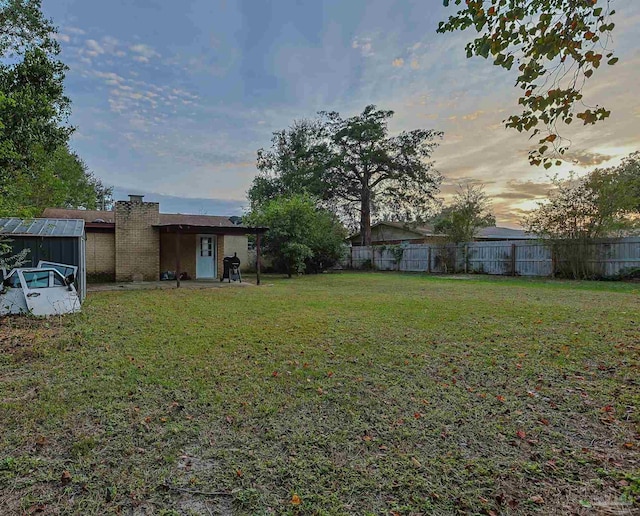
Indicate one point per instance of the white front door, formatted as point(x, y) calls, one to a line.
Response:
point(206, 256)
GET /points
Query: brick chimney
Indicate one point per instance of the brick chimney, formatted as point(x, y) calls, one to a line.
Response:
point(137, 241)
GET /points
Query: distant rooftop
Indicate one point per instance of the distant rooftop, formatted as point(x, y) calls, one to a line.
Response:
point(42, 227)
point(500, 233)
point(491, 233)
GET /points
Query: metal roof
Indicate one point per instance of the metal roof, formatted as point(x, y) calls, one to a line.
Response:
point(42, 227)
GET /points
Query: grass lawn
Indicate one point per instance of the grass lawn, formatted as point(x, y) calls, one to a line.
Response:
point(345, 393)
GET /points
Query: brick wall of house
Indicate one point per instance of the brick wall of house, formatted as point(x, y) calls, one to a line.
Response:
point(137, 242)
point(101, 256)
point(188, 252)
point(238, 244)
point(220, 256)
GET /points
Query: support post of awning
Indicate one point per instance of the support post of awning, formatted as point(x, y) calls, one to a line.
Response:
point(177, 258)
point(258, 258)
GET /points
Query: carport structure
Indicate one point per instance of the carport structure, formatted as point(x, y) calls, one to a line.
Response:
point(206, 245)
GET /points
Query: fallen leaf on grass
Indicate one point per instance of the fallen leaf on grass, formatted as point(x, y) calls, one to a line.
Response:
point(521, 434)
point(537, 499)
point(417, 415)
point(544, 421)
point(416, 462)
point(239, 472)
point(607, 408)
point(66, 477)
point(295, 500)
point(500, 398)
point(367, 438)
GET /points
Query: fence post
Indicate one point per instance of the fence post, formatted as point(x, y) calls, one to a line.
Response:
point(513, 259)
point(429, 259)
point(455, 258)
point(373, 257)
point(466, 258)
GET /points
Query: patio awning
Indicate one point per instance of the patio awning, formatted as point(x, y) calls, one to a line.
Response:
point(210, 229)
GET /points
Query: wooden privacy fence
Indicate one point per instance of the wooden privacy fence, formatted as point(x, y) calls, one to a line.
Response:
point(598, 258)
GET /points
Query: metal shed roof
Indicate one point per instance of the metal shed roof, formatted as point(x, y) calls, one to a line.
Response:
point(42, 227)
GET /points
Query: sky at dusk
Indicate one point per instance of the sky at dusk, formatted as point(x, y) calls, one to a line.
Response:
point(172, 99)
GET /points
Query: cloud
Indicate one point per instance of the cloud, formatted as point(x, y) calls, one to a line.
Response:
point(111, 78)
point(144, 53)
point(65, 38)
point(93, 48)
point(585, 158)
point(524, 190)
point(473, 116)
point(398, 62)
point(364, 45)
point(74, 30)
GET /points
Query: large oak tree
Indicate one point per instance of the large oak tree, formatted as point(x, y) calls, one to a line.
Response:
point(352, 166)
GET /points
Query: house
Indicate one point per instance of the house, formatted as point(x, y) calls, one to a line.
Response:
point(135, 242)
point(389, 233)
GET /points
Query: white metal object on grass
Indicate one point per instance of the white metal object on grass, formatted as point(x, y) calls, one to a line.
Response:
point(40, 291)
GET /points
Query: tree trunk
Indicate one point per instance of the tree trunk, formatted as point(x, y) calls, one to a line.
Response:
point(365, 216)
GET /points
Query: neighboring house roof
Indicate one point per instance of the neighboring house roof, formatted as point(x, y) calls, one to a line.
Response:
point(96, 217)
point(420, 231)
point(48, 227)
point(86, 215)
point(493, 233)
point(500, 233)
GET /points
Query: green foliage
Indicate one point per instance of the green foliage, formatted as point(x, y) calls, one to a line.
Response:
point(37, 169)
point(33, 107)
point(59, 179)
point(295, 164)
point(603, 203)
point(7, 260)
point(301, 237)
point(396, 250)
point(469, 211)
point(557, 45)
point(352, 166)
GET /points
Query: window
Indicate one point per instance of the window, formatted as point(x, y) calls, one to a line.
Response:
point(57, 280)
point(36, 279)
point(13, 281)
point(62, 269)
point(206, 246)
